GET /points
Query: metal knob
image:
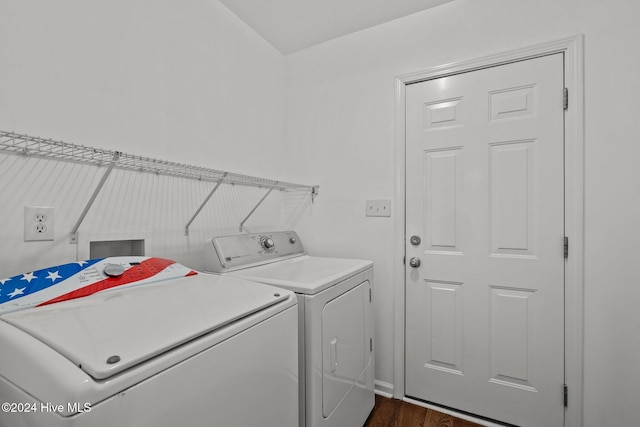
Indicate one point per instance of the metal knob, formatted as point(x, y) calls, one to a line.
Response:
point(414, 262)
point(267, 243)
point(113, 270)
point(415, 240)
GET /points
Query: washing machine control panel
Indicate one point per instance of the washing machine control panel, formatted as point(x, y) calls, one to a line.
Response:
point(83, 278)
point(244, 250)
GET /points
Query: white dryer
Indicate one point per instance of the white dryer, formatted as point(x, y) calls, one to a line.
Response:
point(335, 317)
point(145, 342)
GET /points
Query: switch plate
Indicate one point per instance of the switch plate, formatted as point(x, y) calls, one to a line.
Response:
point(38, 223)
point(378, 208)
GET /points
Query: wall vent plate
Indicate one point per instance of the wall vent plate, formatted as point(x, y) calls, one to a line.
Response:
point(112, 248)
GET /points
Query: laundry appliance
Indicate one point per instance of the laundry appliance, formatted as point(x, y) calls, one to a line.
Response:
point(336, 356)
point(138, 341)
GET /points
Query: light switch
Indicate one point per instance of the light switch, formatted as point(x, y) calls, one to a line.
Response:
point(378, 208)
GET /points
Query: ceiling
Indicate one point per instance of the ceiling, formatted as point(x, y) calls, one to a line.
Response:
point(291, 25)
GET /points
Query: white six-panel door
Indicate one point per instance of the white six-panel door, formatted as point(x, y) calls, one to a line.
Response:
point(484, 193)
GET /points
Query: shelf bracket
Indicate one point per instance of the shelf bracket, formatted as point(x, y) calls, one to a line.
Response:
point(206, 200)
point(73, 235)
point(255, 207)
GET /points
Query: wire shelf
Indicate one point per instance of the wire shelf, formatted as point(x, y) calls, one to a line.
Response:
point(48, 148)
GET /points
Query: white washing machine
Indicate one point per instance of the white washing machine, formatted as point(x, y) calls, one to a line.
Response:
point(135, 341)
point(335, 317)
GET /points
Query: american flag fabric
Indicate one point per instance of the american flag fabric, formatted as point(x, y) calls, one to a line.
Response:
point(83, 278)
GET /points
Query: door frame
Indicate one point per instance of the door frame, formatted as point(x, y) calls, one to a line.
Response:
point(572, 47)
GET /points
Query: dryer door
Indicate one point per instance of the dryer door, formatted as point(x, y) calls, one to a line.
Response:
point(346, 333)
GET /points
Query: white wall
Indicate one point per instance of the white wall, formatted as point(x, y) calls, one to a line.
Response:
point(184, 81)
point(340, 131)
point(187, 81)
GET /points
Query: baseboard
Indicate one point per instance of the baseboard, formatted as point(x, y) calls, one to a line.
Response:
point(453, 413)
point(383, 389)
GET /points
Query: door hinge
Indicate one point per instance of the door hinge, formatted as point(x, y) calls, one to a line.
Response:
point(565, 99)
point(566, 247)
point(370, 344)
point(369, 294)
point(566, 395)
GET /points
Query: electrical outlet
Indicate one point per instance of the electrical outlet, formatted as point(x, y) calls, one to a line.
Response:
point(378, 208)
point(38, 223)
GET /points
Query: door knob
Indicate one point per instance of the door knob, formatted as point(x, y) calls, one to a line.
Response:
point(414, 262)
point(415, 240)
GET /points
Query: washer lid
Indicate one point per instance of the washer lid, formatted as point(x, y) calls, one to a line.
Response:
point(108, 332)
point(304, 274)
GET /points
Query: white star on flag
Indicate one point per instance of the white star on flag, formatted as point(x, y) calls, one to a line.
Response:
point(81, 263)
point(28, 277)
point(53, 276)
point(16, 291)
point(3, 281)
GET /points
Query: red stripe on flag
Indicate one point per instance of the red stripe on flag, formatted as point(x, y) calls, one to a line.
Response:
point(144, 270)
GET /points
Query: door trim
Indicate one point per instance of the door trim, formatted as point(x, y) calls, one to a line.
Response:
point(572, 48)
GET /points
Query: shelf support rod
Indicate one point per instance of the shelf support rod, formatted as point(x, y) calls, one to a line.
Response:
point(73, 235)
point(206, 200)
point(256, 207)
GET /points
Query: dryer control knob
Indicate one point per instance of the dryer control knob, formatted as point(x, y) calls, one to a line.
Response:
point(267, 243)
point(113, 270)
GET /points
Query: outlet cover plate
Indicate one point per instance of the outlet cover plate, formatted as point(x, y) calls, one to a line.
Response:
point(39, 223)
point(378, 207)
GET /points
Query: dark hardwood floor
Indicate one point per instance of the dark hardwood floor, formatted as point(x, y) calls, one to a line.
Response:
point(396, 413)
